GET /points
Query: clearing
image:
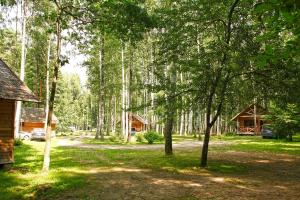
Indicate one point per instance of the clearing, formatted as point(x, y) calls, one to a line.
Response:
point(239, 168)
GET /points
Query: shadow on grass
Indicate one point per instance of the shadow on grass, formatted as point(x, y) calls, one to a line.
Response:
point(23, 179)
point(112, 174)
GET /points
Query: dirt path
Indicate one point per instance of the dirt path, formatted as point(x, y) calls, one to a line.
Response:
point(268, 177)
point(65, 142)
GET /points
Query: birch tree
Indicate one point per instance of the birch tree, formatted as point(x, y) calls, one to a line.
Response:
point(23, 63)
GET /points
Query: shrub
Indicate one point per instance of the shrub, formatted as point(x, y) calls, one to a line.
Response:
point(152, 136)
point(113, 138)
point(230, 134)
point(18, 142)
point(140, 137)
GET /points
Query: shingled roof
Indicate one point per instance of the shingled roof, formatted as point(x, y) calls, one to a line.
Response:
point(35, 115)
point(12, 88)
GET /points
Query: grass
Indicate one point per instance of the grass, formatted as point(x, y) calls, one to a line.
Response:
point(258, 144)
point(70, 167)
point(108, 141)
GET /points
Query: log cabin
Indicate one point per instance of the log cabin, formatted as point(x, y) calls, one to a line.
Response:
point(250, 120)
point(138, 123)
point(32, 118)
point(12, 89)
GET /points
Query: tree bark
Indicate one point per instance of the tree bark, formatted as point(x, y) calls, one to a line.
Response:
point(22, 71)
point(123, 92)
point(168, 132)
point(47, 83)
point(46, 164)
point(100, 129)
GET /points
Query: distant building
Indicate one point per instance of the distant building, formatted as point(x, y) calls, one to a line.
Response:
point(12, 89)
point(245, 120)
point(33, 118)
point(138, 123)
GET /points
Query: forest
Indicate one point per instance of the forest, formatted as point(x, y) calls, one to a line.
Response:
point(186, 67)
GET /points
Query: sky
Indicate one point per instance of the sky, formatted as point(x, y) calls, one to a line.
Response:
point(75, 62)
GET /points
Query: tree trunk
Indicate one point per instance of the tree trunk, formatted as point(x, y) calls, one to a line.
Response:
point(205, 145)
point(123, 92)
point(22, 71)
point(47, 83)
point(100, 129)
point(46, 163)
point(168, 132)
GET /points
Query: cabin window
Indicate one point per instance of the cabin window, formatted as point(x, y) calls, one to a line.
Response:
point(249, 123)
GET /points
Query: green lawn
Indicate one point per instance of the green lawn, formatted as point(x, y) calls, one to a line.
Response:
point(71, 168)
point(109, 141)
point(257, 144)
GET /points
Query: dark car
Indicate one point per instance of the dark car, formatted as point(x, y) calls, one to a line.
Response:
point(267, 132)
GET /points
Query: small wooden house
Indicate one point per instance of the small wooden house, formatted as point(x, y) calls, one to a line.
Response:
point(12, 89)
point(33, 118)
point(138, 123)
point(250, 120)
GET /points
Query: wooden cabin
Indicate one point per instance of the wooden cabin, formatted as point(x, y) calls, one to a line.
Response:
point(138, 123)
point(245, 120)
point(32, 118)
point(12, 89)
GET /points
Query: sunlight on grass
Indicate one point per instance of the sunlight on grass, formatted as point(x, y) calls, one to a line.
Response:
point(70, 166)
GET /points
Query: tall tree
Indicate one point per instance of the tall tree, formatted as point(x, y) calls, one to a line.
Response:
point(23, 63)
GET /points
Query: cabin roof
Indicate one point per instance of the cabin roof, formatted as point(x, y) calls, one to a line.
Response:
point(141, 119)
point(36, 115)
point(11, 87)
point(249, 111)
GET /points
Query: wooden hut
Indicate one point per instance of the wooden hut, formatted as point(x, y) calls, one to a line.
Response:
point(33, 118)
point(12, 89)
point(138, 123)
point(250, 120)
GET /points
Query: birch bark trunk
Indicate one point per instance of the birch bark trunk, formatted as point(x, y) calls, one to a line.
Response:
point(22, 71)
point(47, 83)
point(123, 92)
point(46, 164)
point(100, 129)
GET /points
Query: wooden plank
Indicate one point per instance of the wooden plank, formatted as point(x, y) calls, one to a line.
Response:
point(7, 112)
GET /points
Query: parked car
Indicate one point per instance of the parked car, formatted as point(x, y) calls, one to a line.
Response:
point(38, 134)
point(267, 132)
point(24, 135)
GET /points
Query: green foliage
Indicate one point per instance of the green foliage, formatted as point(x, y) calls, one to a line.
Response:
point(140, 137)
point(114, 138)
point(230, 133)
point(285, 120)
point(152, 137)
point(18, 142)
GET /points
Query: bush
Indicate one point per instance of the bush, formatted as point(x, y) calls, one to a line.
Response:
point(230, 134)
point(18, 142)
point(140, 137)
point(152, 136)
point(114, 138)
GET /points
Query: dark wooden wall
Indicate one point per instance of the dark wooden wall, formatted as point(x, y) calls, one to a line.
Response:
point(138, 125)
point(7, 112)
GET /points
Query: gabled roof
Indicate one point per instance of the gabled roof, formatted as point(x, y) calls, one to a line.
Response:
point(139, 118)
point(12, 88)
point(36, 115)
point(249, 111)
